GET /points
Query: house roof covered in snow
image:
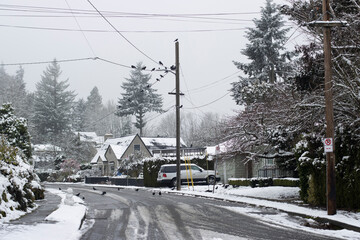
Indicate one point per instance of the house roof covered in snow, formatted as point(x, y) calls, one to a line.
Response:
point(90, 137)
point(46, 148)
point(222, 148)
point(161, 143)
point(118, 145)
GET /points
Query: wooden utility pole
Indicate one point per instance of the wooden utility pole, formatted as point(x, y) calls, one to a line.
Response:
point(177, 105)
point(329, 113)
point(326, 24)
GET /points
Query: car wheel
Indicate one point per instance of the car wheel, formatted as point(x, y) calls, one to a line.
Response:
point(210, 180)
point(173, 182)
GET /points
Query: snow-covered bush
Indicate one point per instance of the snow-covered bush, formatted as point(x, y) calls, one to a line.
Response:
point(312, 170)
point(15, 129)
point(19, 185)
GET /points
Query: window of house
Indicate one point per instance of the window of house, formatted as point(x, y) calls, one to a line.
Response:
point(136, 147)
point(269, 161)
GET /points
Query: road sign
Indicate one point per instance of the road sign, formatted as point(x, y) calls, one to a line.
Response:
point(328, 145)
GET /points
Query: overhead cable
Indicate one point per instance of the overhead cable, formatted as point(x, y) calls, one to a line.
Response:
point(45, 62)
point(126, 31)
point(120, 32)
point(207, 104)
point(82, 32)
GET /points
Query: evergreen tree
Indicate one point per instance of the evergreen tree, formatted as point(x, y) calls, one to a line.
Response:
point(267, 55)
point(139, 98)
point(53, 103)
point(79, 117)
point(13, 90)
point(15, 129)
point(118, 126)
point(94, 109)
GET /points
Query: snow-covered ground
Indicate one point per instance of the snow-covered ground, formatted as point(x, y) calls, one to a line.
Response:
point(69, 216)
point(63, 223)
point(275, 197)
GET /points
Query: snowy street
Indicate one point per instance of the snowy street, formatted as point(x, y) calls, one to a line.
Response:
point(127, 213)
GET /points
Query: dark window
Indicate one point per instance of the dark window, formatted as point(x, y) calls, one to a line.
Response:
point(136, 148)
point(195, 168)
point(169, 169)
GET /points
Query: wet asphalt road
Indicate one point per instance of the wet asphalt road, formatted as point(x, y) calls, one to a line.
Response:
point(130, 214)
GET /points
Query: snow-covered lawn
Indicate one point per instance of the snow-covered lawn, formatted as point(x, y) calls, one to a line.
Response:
point(63, 223)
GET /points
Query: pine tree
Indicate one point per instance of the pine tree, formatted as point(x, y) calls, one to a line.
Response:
point(267, 55)
point(79, 117)
point(94, 109)
point(53, 103)
point(13, 90)
point(139, 98)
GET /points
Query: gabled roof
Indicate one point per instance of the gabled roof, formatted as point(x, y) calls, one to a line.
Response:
point(100, 154)
point(118, 150)
point(118, 145)
point(161, 143)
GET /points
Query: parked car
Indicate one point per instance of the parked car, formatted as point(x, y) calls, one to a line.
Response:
point(167, 174)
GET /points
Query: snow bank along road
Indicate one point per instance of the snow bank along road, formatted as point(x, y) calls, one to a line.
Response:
point(129, 214)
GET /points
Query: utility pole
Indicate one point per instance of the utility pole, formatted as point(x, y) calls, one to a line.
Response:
point(329, 110)
point(177, 105)
point(329, 113)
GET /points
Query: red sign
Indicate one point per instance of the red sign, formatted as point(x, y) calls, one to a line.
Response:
point(328, 145)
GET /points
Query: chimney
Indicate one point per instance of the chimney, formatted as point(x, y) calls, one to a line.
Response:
point(107, 136)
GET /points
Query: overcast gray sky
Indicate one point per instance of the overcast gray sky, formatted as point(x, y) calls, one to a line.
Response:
point(208, 44)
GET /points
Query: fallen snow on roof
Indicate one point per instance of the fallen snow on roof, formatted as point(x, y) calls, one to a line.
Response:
point(118, 144)
point(161, 143)
point(212, 149)
point(90, 137)
point(46, 148)
point(118, 150)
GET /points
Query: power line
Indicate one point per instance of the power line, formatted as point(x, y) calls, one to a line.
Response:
point(25, 8)
point(46, 62)
point(120, 32)
point(114, 63)
point(78, 24)
point(126, 31)
point(207, 104)
point(215, 82)
point(153, 118)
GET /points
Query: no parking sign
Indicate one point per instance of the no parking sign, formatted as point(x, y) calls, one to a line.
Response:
point(328, 145)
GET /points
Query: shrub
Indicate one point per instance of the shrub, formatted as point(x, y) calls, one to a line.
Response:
point(285, 182)
point(43, 176)
point(239, 182)
point(312, 171)
point(253, 182)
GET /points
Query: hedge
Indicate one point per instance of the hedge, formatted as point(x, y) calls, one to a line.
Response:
point(286, 182)
point(264, 182)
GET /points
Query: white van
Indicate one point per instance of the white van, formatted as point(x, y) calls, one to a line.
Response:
point(167, 174)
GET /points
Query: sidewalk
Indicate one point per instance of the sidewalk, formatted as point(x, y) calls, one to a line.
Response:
point(56, 218)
